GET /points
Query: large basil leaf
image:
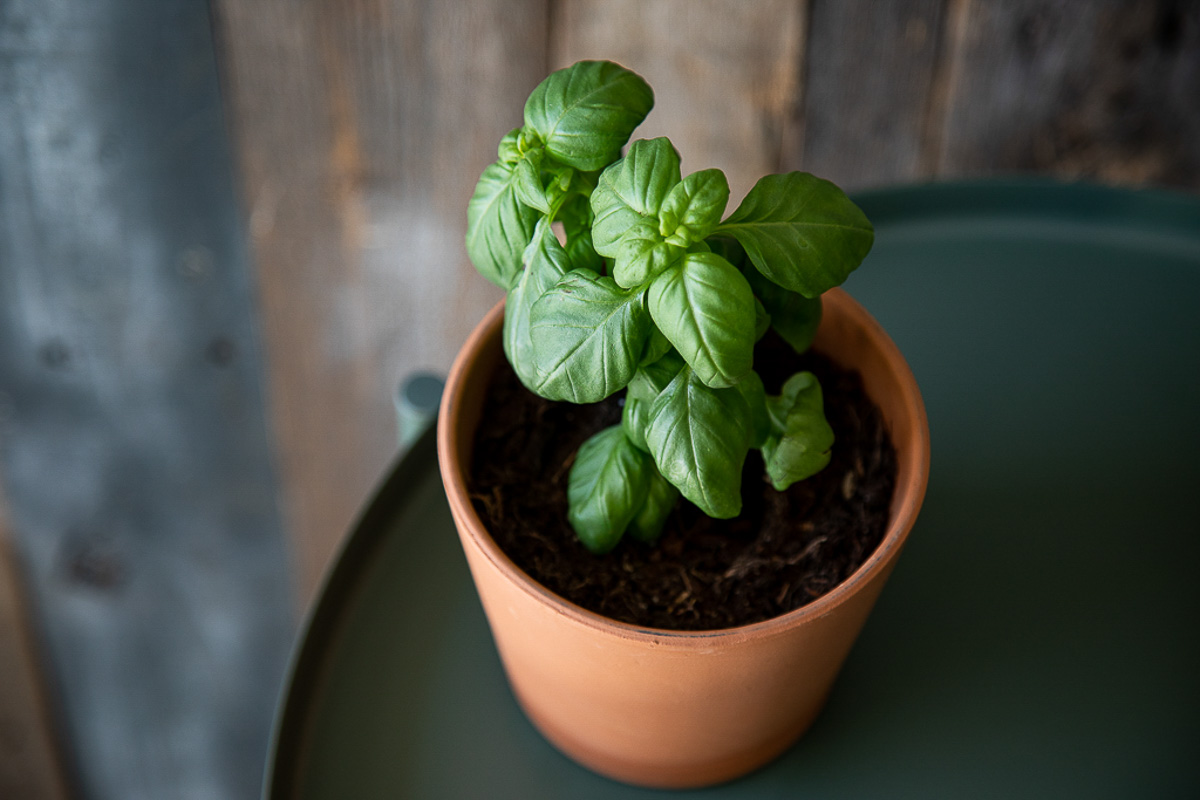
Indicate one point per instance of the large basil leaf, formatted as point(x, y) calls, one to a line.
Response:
point(632, 190)
point(585, 113)
point(647, 524)
point(705, 307)
point(698, 437)
point(608, 485)
point(694, 207)
point(800, 231)
point(800, 446)
point(588, 336)
point(793, 316)
point(499, 226)
point(545, 263)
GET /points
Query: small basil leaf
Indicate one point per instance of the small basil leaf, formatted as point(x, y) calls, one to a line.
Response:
point(800, 231)
point(800, 446)
point(588, 335)
point(509, 151)
point(697, 436)
point(657, 346)
point(728, 248)
point(762, 320)
point(634, 420)
point(647, 525)
point(607, 486)
point(643, 254)
point(651, 378)
point(794, 316)
point(529, 188)
point(752, 391)
point(585, 113)
point(705, 307)
point(499, 226)
point(631, 190)
point(545, 263)
point(576, 216)
point(694, 207)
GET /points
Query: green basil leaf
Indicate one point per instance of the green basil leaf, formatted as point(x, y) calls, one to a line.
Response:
point(762, 320)
point(499, 226)
point(585, 113)
point(642, 255)
point(800, 231)
point(651, 378)
point(632, 190)
point(588, 335)
point(697, 436)
point(728, 248)
point(657, 346)
point(800, 446)
point(528, 177)
point(576, 216)
point(705, 307)
point(752, 391)
point(647, 525)
point(545, 263)
point(607, 486)
point(694, 207)
point(634, 417)
point(509, 150)
point(793, 316)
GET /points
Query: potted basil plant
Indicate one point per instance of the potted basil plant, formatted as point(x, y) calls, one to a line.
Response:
point(627, 279)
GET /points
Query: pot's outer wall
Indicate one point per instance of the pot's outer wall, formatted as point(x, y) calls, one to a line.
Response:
point(679, 709)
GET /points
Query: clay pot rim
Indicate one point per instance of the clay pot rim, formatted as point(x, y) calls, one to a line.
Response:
point(909, 494)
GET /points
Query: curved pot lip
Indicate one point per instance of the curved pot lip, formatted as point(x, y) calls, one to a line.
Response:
point(911, 493)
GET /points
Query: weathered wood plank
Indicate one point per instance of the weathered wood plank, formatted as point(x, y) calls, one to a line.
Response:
point(362, 128)
point(726, 74)
point(868, 90)
point(31, 762)
point(133, 446)
point(1107, 90)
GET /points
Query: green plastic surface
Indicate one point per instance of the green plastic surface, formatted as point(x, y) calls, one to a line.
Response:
point(1040, 635)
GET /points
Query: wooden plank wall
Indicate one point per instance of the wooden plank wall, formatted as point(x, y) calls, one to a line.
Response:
point(361, 127)
point(133, 448)
point(135, 325)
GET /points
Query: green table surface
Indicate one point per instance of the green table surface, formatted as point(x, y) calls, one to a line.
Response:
point(1040, 635)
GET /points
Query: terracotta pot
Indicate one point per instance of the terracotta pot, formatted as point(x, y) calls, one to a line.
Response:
point(667, 708)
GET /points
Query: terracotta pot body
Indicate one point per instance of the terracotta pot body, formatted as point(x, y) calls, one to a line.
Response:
point(679, 709)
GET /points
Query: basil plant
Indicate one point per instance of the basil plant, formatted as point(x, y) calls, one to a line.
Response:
point(624, 275)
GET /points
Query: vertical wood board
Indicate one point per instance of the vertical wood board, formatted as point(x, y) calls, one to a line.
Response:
point(362, 128)
point(725, 74)
point(133, 446)
point(869, 82)
point(1107, 90)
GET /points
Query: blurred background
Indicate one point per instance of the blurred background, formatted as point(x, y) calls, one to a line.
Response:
point(229, 229)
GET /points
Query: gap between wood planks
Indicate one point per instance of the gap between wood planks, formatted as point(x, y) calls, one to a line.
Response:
point(31, 762)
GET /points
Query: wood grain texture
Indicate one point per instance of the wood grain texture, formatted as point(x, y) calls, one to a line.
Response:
point(133, 447)
point(725, 74)
point(362, 128)
point(1107, 90)
point(31, 761)
point(869, 84)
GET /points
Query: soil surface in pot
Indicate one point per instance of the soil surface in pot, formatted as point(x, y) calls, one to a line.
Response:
point(785, 550)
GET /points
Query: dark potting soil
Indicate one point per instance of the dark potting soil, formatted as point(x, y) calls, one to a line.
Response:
point(785, 550)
